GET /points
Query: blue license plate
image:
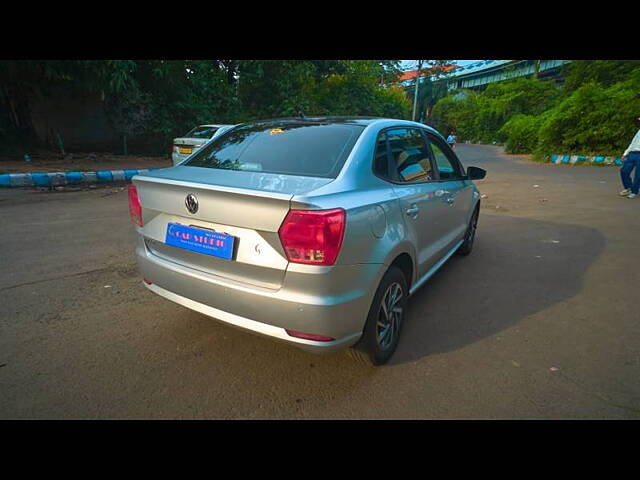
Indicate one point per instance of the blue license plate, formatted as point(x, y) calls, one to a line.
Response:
point(199, 240)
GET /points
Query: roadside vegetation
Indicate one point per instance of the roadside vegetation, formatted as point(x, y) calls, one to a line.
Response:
point(593, 113)
point(149, 102)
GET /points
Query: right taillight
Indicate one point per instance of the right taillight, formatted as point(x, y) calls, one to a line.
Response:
point(135, 207)
point(313, 236)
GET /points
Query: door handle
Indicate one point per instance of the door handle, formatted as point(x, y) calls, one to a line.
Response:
point(413, 211)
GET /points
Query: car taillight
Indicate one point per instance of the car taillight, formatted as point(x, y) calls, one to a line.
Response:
point(313, 236)
point(135, 208)
point(175, 149)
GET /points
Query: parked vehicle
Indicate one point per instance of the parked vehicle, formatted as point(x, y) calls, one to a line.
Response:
point(313, 231)
point(193, 140)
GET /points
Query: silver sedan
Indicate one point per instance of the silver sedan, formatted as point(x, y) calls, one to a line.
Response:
point(312, 231)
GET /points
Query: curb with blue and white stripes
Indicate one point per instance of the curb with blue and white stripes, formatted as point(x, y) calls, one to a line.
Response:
point(55, 179)
point(575, 159)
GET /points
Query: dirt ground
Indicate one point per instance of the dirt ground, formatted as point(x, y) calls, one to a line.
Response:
point(81, 162)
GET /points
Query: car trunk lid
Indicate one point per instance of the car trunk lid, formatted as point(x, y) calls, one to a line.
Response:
point(250, 206)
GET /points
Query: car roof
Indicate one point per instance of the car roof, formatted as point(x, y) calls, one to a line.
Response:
point(351, 120)
point(323, 119)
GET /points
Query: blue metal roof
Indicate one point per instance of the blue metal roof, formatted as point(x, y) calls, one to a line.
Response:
point(478, 66)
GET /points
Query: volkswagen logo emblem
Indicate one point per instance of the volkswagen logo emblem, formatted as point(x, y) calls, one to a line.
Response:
point(191, 203)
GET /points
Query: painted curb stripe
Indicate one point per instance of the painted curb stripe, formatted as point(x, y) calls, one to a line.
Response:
point(21, 180)
point(73, 177)
point(573, 159)
point(130, 173)
point(104, 176)
point(57, 178)
point(41, 179)
point(89, 177)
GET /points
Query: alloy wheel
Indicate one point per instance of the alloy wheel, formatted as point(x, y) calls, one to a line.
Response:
point(389, 316)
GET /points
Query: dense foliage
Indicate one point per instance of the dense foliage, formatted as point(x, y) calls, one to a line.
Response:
point(160, 99)
point(594, 112)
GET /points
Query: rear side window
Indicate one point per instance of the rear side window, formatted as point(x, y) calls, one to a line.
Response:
point(381, 159)
point(290, 148)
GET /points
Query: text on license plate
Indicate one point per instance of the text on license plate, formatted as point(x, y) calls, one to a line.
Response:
point(208, 242)
point(185, 150)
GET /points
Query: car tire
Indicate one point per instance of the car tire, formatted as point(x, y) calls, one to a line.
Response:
point(384, 321)
point(470, 235)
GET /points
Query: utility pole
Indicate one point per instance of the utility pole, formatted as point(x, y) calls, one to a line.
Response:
point(415, 93)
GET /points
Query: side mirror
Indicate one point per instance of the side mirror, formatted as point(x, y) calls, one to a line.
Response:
point(475, 173)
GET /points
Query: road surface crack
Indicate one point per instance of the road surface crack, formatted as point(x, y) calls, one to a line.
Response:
point(35, 282)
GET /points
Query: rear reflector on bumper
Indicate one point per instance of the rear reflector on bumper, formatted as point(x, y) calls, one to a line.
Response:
point(310, 336)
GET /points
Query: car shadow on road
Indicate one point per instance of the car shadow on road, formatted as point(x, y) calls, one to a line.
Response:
point(518, 267)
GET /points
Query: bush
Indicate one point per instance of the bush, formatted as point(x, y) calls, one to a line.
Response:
point(479, 117)
point(596, 117)
point(593, 120)
point(521, 133)
point(457, 113)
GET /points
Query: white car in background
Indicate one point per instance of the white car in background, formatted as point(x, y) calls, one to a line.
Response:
point(194, 139)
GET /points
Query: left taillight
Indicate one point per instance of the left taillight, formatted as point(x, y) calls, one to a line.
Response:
point(313, 236)
point(135, 207)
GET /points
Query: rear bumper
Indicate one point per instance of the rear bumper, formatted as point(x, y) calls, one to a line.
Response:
point(331, 301)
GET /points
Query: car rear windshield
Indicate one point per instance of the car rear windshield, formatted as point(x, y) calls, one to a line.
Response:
point(290, 148)
point(201, 132)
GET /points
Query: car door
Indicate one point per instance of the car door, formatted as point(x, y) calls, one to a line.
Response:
point(454, 190)
point(411, 172)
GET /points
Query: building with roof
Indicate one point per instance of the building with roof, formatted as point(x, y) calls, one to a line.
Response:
point(479, 74)
point(408, 77)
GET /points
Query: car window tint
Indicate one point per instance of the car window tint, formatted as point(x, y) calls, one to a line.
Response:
point(409, 155)
point(285, 147)
point(447, 170)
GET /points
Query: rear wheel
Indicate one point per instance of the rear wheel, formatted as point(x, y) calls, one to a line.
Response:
point(470, 235)
point(384, 322)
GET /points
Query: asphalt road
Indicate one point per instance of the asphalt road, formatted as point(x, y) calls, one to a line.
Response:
point(541, 321)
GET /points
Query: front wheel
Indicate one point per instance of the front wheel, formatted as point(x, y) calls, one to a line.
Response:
point(384, 322)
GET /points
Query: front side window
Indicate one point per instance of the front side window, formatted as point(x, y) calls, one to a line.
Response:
point(448, 169)
point(290, 148)
point(409, 155)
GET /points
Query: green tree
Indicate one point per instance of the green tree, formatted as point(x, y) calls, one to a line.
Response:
point(603, 72)
point(594, 119)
